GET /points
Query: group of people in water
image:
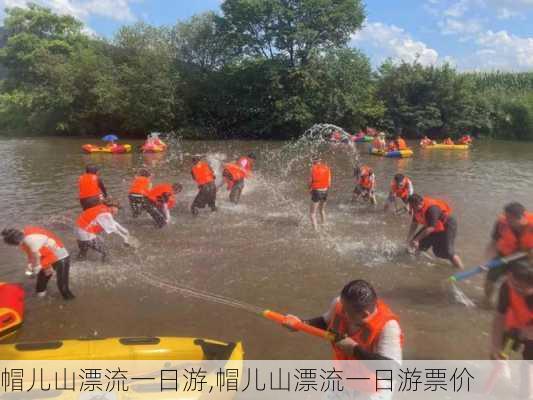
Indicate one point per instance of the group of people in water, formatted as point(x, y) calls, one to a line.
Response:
point(367, 328)
point(47, 254)
point(358, 314)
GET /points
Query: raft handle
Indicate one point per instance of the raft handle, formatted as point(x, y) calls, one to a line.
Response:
point(215, 351)
point(131, 341)
point(38, 346)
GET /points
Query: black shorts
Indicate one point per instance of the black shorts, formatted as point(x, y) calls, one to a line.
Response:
point(442, 243)
point(361, 191)
point(318, 196)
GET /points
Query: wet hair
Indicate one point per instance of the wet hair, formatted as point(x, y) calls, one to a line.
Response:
point(177, 187)
point(399, 178)
point(415, 199)
point(360, 294)
point(316, 158)
point(144, 172)
point(515, 209)
point(252, 156)
point(91, 169)
point(12, 236)
point(522, 270)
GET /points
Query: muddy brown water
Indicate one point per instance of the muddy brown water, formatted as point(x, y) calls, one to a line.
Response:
point(262, 251)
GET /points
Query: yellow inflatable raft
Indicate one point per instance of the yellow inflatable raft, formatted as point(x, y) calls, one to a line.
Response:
point(128, 348)
point(447, 146)
point(118, 149)
point(391, 154)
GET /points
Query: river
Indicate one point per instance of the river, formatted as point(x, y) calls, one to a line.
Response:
point(262, 251)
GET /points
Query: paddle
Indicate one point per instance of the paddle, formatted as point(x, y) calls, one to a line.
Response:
point(495, 263)
point(299, 325)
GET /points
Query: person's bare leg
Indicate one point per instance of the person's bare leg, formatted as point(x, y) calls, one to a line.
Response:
point(373, 200)
point(312, 214)
point(457, 262)
point(322, 209)
point(489, 292)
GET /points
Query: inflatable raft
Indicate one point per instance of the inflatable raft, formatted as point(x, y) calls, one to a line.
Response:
point(362, 139)
point(118, 149)
point(11, 308)
point(391, 154)
point(153, 148)
point(448, 147)
point(127, 348)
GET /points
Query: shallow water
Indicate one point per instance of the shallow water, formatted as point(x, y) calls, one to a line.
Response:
point(263, 251)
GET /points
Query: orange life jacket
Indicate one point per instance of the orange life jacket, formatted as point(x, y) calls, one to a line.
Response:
point(400, 143)
point(88, 184)
point(367, 336)
point(235, 171)
point(465, 140)
point(202, 173)
point(518, 314)
point(161, 189)
point(246, 163)
point(365, 178)
point(320, 177)
point(446, 210)
point(401, 191)
point(140, 185)
point(508, 243)
point(86, 218)
point(47, 255)
point(377, 144)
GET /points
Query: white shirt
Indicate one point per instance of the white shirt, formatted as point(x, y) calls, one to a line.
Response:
point(36, 241)
point(107, 223)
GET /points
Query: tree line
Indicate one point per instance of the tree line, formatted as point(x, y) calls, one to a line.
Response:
point(258, 69)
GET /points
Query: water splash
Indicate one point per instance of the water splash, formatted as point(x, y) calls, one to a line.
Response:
point(458, 296)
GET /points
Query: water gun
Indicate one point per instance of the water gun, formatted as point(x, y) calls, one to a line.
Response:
point(495, 263)
point(299, 326)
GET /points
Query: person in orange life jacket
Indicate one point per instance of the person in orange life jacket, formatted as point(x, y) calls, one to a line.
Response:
point(365, 184)
point(111, 145)
point(512, 232)
point(234, 175)
point(139, 188)
point(203, 175)
point(46, 254)
point(426, 141)
point(379, 142)
point(400, 143)
point(465, 139)
point(319, 184)
point(160, 200)
point(514, 316)
point(401, 188)
point(448, 141)
point(91, 188)
point(392, 146)
point(439, 228)
point(94, 221)
point(365, 326)
point(247, 163)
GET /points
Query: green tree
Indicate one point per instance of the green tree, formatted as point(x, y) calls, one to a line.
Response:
point(143, 59)
point(435, 99)
point(290, 29)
